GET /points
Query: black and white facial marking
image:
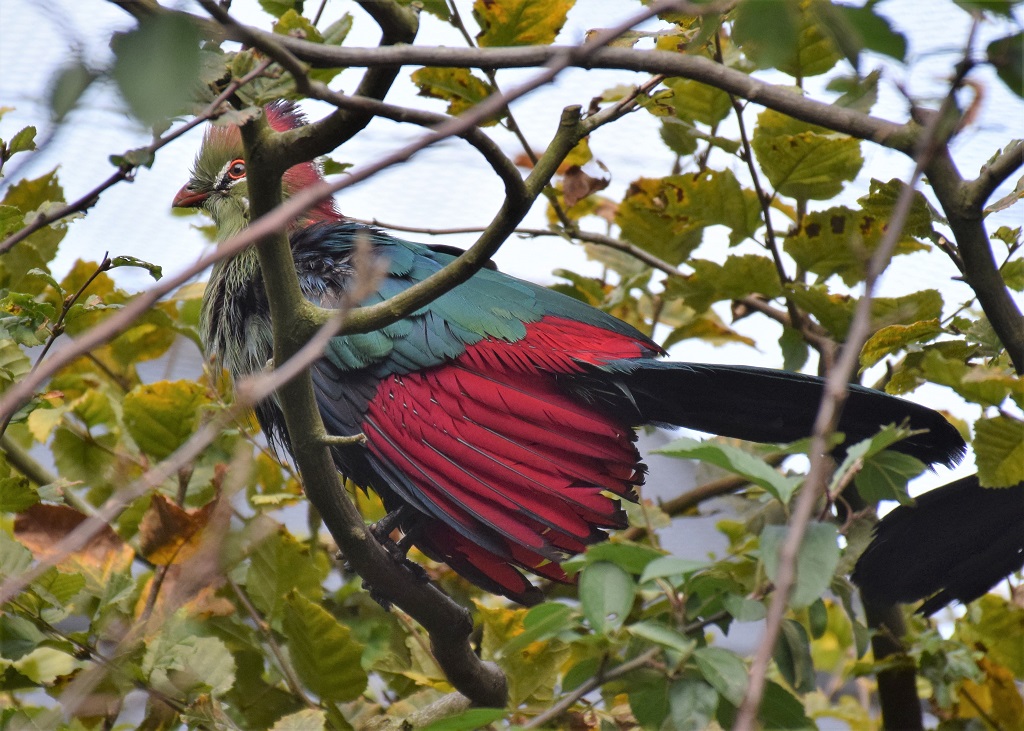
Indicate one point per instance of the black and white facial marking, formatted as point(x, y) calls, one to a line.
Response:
point(232, 172)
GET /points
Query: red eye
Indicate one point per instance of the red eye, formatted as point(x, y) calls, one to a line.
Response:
point(236, 169)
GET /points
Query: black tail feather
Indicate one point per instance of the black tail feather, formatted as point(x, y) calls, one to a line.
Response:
point(761, 405)
point(955, 543)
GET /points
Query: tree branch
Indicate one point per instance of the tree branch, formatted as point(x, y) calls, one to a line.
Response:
point(978, 191)
point(836, 383)
point(126, 170)
point(963, 203)
point(780, 98)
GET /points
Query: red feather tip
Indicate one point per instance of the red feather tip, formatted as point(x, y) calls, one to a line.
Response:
point(284, 115)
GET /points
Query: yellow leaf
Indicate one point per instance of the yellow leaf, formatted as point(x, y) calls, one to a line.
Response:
point(458, 87)
point(519, 22)
point(161, 416)
point(893, 338)
point(42, 422)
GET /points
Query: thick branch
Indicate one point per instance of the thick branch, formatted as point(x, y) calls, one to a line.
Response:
point(783, 99)
point(978, 191)
point(962, 205)
point(447, 623)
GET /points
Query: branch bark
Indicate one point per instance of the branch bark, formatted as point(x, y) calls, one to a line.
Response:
point(963, 205)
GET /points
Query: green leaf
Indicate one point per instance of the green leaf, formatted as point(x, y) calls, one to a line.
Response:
point(45, 664)
point(67, 86)
point(885, 476)
point(995, 7)
point(13, 363)
point(457, 86)
point(277, 8)
point(985, 385)
point(469, 720)
point(291, 23)
point(786, 35)
point(736, 461)
point(156, 66)
point(181, 661)
point(325, 656)
point(648, 698)
point(1007, 57)
point(541, 622)
point(16, 494)
point(803, 160)
point(519, 22)
point(892, 339)
point(691, 705)
point(680, 138)
point(632, 557)
point(308, 719)
point(999, 626)
point(666, 566)
point(840, 241)
point(792, 655)
point(781, 710)
point(999, 450)
point(29, 197)
point(154, 270)
point(743, 609)
point(698, 102)
point(734, 279)
point(24, 140)
point(162, 416)
point(661, 634)
point(767, 31)
point(18, 636)
point(57, 588)
point(14, 557)
point(86, 459)
point(279, 565)
point(724, 670)
point(333, 167)
point(872, 31)
point(795, 349)
point(859, 94)
point(667, 216)
point(1013, 274)
point(606, 594)
point(881, 202)
point(816, 561)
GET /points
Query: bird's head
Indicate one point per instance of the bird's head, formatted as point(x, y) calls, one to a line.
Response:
point(218, 181)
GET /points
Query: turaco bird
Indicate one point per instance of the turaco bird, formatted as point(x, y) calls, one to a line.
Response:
point(499, 418)
point(954, 543)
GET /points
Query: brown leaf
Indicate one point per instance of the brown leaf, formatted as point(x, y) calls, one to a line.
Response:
point(168, 534)
point(42, 527)
point(577, 185)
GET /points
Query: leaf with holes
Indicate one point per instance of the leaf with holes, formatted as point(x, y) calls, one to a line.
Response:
point(803, 160)
point(606, 594)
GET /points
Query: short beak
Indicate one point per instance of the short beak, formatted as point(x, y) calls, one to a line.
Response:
point(188, 198)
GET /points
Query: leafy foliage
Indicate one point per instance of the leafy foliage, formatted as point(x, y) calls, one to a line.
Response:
point(203, 590)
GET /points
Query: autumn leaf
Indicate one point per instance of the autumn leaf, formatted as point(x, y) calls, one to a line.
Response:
point(169, 534)
point(519, 22)
point(42, 527)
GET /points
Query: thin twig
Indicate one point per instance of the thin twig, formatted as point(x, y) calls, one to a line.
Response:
point(828, 415)
point(126, 171)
